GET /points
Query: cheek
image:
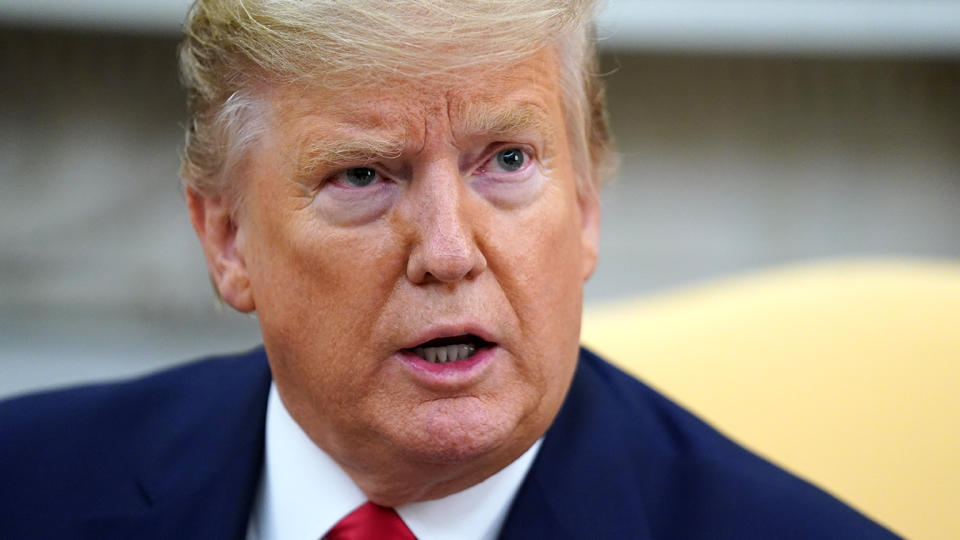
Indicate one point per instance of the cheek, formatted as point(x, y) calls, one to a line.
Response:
point(541, 273)
point(544, 253)
point(326, 291)
point(319, 290)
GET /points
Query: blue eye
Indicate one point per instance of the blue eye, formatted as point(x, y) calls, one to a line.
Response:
point(510, 159)
point(360, 176)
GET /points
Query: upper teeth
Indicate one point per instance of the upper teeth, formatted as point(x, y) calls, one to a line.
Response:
point(448, 353)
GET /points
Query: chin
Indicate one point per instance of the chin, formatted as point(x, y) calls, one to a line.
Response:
point(458, 430)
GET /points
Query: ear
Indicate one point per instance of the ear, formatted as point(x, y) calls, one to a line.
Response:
point(589, 230)
point(222, 242)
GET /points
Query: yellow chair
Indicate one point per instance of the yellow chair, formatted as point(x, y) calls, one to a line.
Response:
point(846, 373)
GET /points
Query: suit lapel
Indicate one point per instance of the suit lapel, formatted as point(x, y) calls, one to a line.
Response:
point(583, 483)
point(201, 477)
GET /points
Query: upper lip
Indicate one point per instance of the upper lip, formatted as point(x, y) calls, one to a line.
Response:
point(450, 330)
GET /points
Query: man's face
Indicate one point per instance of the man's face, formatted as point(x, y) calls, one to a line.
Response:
point(385, 227)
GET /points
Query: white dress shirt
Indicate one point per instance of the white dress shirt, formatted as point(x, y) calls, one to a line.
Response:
point(303, 492)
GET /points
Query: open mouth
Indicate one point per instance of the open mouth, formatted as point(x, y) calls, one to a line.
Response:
point(449, 349)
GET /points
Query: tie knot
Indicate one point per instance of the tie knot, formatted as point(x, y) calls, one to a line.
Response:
point(370, 522)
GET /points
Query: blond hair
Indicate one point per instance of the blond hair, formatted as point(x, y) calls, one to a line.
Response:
point(232, 47)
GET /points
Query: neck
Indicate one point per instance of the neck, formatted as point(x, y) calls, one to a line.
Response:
point(408, 482)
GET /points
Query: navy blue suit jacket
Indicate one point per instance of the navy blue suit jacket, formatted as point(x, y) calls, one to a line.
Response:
point(179, 454)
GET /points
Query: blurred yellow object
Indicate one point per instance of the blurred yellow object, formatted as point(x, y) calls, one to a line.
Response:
point(846, 373)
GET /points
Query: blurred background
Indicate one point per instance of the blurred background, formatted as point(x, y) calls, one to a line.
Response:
point(753, 134)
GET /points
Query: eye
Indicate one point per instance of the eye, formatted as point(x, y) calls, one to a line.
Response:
point(510, 159)
point(359, 176)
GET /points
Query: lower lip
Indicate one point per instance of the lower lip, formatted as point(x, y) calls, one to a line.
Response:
point(459, 372)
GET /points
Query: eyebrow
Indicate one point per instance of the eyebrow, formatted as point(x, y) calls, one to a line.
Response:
point(482, 118)
point(345, 152)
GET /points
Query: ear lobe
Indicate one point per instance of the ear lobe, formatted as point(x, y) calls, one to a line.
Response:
point(222, 242)
point(589, 231)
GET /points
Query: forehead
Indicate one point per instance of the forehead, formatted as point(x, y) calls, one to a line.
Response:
point(481, 101)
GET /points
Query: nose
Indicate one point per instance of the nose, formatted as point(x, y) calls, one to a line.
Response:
point(444, 247)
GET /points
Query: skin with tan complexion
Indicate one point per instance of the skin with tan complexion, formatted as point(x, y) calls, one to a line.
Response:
point(384, 228)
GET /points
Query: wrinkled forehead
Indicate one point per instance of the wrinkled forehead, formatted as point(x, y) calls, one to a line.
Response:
point(521, 96)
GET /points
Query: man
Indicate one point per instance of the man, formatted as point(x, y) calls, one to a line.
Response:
point(405, 195)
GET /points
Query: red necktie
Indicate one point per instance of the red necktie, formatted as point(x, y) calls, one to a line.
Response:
point(371, 522)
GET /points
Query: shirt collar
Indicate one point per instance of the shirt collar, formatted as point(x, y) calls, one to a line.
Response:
point(304, 492)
